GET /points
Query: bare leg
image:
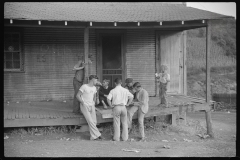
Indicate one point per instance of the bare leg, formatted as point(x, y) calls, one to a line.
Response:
point(104, 105)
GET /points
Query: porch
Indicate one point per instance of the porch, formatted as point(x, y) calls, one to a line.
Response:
point(54, 113)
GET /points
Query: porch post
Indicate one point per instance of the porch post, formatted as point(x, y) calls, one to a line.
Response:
point(86, 50)
point(208, 95)
point(184, 62)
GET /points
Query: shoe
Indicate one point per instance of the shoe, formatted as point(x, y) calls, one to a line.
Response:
point(143, 139)
point(129, 130)
point(98, 139)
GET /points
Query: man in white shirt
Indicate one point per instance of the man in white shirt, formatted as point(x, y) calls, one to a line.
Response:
point(121, 98)
point(87, 98)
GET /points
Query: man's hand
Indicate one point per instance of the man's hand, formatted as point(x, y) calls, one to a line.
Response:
point(105, 95)
point(136, 103)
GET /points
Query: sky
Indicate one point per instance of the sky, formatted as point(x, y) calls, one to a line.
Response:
point(225, 8)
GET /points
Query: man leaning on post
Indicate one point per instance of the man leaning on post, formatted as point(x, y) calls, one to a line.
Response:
point(121, 98)
point(87, 98)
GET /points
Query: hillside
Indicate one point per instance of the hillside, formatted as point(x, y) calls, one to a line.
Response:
point(222, 58)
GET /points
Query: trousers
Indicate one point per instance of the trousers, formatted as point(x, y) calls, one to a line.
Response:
point(162, 93)
point(90, 116)
point(76, 103)
point(141, 115)
point(120, 114)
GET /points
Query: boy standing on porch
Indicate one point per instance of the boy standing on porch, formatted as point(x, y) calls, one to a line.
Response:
point(163, 77)
point(87, 98)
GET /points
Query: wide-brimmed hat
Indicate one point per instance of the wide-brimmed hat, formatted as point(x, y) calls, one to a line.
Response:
point(129, 80)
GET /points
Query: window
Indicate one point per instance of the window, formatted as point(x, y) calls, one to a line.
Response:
point(12, 52)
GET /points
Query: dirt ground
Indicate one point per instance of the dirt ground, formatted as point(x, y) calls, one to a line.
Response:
point(78, 144)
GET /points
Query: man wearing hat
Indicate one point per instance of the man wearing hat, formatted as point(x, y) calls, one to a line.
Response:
point(140, 105)
point(87, 98)
point(129, 85)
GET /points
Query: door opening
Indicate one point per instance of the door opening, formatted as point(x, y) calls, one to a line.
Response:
point(111, 58)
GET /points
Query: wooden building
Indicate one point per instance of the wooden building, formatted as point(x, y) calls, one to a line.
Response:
point(43, 41)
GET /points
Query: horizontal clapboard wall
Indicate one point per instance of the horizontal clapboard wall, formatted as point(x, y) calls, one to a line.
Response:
point(50, 54)
point(140, 58)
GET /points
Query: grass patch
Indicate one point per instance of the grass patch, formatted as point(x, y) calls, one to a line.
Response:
point(219, 70)
point(40, 130)
point(196, 55)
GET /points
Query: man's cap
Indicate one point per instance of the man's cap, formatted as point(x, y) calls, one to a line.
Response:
point(137, 84)
point(129, 80)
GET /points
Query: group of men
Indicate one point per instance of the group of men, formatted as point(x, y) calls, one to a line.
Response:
point(119, 98)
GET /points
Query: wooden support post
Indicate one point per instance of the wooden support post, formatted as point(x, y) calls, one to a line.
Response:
point(86, 51)
point(185, 118)
point(208, 113)
point(174, 115)
point(157, 61)
point(185, 62)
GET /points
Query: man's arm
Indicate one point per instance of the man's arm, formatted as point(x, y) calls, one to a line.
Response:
point(109, 98)
point(129, 101)
point(109, 103)
point(79, 94)
point(143, 99)
point(76, 67)
point(130, 98)
point(95, 99)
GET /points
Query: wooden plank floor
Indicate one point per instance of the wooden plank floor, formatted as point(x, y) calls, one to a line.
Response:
point(29, 115)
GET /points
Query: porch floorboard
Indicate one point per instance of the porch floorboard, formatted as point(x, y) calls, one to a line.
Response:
point(55, 113)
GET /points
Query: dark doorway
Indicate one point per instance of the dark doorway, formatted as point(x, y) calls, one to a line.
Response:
point(111, 58)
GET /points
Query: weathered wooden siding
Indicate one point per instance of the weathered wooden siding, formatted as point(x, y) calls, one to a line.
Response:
point(170, 55)
point(50, 54)
point(140, 58)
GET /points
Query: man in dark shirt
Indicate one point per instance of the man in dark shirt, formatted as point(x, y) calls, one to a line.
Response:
point(103, 93)
point(78, 82)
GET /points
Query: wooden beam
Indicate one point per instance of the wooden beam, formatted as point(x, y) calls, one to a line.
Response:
point(209, 124)
point(184, 62)
point(42, 26)
point(99, 56)
point(208, 45)
point(86, 52)
point(177, 27)
point(173, 118)
point(157, 60)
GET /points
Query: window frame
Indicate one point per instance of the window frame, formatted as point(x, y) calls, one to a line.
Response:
point(20, 51)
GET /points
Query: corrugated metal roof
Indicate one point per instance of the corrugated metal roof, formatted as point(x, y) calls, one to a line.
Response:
point(105, 12)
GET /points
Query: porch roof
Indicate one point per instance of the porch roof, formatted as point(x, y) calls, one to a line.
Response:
point(105, 11)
